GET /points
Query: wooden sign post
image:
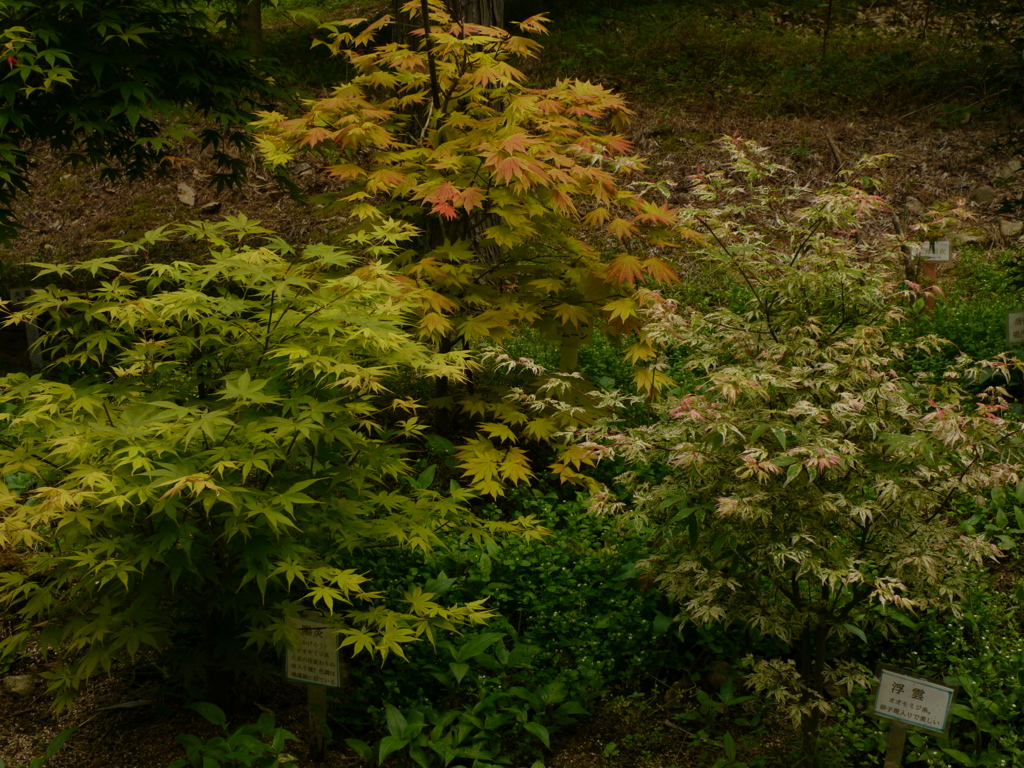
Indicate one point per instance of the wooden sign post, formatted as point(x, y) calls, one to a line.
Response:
point(910, 702)
point(930, 253)
point(18, 296)
point(315, 663)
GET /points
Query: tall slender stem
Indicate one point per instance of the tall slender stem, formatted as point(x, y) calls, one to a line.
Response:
point(435, 90)
point(828, 28)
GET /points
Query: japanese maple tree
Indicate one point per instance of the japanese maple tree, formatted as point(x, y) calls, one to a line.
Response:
point(807, 486)
point(521, 195)
point(235, 439)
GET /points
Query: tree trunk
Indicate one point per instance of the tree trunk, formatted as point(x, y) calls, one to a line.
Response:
point(828, 28)
point(815, 648)
point(250, 20)
point(490, 13)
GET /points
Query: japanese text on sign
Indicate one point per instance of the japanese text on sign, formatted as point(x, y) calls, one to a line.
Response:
point(1015, 328)
point(314, 660)
point(935, 250)
point(18, 295)
point(913, 701)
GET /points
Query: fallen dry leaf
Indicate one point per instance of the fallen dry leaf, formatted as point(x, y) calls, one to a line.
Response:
point(186, 194)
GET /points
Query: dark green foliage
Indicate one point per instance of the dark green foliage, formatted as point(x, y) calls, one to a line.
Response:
point(972, 314)
point(769, 54)
point(109, 84)
point(601, 360)
point(257, 745)
point(574, 597)
point(479, 714)
point(981, 652)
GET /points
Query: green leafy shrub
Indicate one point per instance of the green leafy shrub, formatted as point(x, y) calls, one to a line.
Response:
point(256, 745)
point(600, 360)
point(236, 446)
point(578, 597)
point(478, 716)
point(982, 653)
point(851, 736)
point(972, 313)
point(574, 600)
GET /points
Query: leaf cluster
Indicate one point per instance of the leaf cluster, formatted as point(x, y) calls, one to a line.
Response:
point(480, 720)
point(256, 745)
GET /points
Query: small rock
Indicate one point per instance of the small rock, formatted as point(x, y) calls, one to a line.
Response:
point(20, 685)
point(972, 236)
point(1010, 228)
point(1009, 169)
point(982, 195)
point(913, 205)
point(210, 208)
point(186, 194)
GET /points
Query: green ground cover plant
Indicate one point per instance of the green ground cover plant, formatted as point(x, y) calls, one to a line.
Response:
point(579, 601)
point(980, 652)
point(256, 745)
point(979, 295)
point(573, 609)
point(480, 716)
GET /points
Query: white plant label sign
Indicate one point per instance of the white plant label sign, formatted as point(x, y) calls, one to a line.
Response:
point(314, 661)
point(1015, 328)
point(935, 250)
point(19, 294)
point(914, 701)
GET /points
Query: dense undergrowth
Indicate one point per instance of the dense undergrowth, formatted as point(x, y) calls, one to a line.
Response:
point(770, 58)
point(765, 57)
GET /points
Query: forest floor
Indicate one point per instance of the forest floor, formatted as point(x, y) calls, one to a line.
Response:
point(121, 721)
